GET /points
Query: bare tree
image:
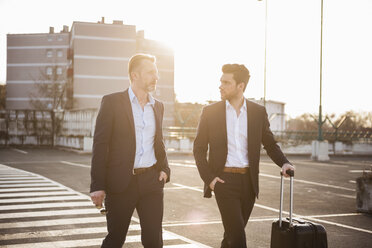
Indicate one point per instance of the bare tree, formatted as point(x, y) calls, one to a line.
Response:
point(52, 90)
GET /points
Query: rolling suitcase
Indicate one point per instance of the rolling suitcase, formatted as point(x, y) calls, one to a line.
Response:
point(294, 233)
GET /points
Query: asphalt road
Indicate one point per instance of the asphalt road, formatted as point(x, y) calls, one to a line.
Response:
point(50, 207)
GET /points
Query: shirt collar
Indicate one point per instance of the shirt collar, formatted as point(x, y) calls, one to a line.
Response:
point(133, 97)
point(242, 108)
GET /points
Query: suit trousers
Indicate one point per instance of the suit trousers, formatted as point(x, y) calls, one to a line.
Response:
point(145, 194)
point(235, 199)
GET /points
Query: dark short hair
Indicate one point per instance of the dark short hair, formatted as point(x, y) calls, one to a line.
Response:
point(136, 60)
point(240, 73)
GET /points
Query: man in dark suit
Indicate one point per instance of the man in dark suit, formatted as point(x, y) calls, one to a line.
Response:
point(233, 130)
point(129, 163)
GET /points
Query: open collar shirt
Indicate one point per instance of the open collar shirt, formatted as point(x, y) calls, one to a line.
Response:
point(237, 136)
point(145, 127)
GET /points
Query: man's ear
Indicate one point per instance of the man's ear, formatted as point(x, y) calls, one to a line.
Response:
point(241, 86)
point(134, 75)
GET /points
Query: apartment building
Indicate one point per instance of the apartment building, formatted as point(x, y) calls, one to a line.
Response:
point(32, 59)
point(96, 59)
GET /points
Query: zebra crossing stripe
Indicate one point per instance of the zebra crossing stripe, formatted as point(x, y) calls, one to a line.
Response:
point(83, 203)
point(44, 199)
point(15, 184)
point(29, 214)
point(24, 185)
point(51, 192)
point(80, 231)
point(54, 222)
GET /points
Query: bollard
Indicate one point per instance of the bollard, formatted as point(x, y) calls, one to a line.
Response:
point(364, 193)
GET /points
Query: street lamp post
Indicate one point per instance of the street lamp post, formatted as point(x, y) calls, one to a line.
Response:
point(264, 98)
point(320, 121)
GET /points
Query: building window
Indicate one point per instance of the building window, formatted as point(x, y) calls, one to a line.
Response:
point(59, 38)
point(49, 71)
point(49, 53)
point(59, 53)
point(50, 38)
point(59, 70)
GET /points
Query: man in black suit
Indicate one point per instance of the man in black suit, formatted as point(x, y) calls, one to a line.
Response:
point(129, 163)
point(233, 130)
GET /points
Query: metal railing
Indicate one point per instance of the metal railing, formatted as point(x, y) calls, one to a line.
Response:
point(22, 127)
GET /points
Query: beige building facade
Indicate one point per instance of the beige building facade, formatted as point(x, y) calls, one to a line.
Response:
point(95, 59)
point(31, 59)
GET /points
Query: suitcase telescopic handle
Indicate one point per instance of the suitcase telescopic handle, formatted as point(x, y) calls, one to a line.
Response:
point(291, 174)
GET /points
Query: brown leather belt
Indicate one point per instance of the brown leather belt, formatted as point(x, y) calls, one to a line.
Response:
point(139, 171)
point(236, 170)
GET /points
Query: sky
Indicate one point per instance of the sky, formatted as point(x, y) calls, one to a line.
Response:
point(206, 34)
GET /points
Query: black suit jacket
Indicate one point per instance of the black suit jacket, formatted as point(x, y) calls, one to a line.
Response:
point(212, 134)
point(114, 144)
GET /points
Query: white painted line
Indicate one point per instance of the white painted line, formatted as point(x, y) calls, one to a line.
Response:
point(277, 177)
point(357, 171)
point(75, 231)
point(67, 221)
point(80, 213)
point(352, 181)
point(320, 164)
point(43, 199)
point(83, 203)
point(33, 192)
point(337, 224)
point(295, 215)
point(20, 151)
point(192, 243)
point(36, 180)
point(332, 215)
point(60, 244)
point(184, 246)
point(25, 185)
point(346, 196)
point(173, 188)
point(5, 179)
point(75, 164)
point(309, 182)
point(182, 165)
point(92, 210)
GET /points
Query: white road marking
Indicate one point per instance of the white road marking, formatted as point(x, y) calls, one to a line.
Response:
point(92, 210)
point(295, 215)
point(320, 164)
point(352, 181)
point(25, 184)
point(53, 222)
point(36, 180)
point(43, 199)
point(22, 194)
point(75, 164)
point(81, 217)
point(267, 175)
point(182, 165)
point(357, 171)
point(309, 182)
point(81, 203)
point(20, 151)
point(77, 231)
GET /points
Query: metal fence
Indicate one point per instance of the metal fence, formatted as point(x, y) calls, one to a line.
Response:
point(32, 127)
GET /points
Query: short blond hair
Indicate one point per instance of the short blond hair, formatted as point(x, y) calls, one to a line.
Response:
point(136, 60)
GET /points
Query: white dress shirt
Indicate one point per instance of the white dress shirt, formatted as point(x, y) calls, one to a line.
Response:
point(237, 137)
point(144, 122)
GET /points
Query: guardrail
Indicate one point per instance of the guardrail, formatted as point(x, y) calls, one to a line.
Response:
point(32, 127)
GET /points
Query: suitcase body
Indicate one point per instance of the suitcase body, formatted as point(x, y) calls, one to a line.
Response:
point(295, 233)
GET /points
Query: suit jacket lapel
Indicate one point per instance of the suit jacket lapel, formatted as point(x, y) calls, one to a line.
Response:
point(128, 109)
point(224, 126)
point(157, 114)
point(250, 129)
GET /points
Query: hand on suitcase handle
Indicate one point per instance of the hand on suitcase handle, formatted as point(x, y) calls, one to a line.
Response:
point(287, 170)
